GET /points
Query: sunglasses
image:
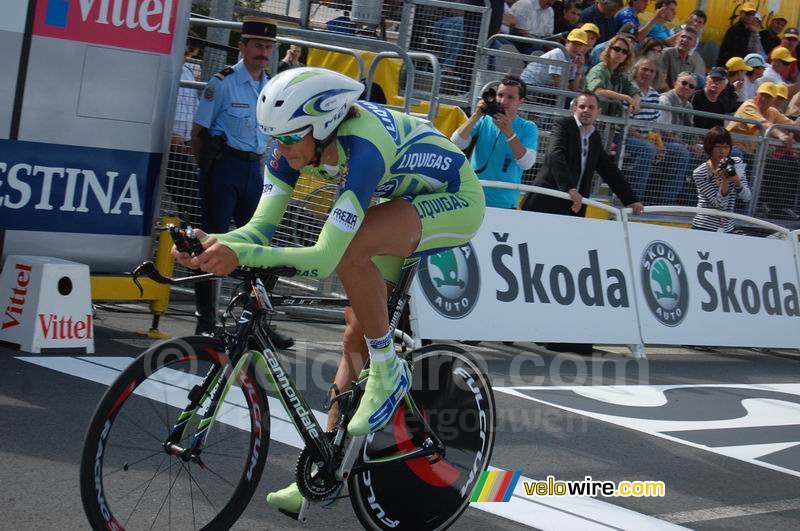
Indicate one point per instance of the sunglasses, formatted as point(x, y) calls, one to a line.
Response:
point(621, 50)
point(292, 138)
point(510, 82)
point(687, 84)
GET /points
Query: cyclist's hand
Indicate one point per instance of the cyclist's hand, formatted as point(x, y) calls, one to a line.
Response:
point(217, 258)
point(185, 259)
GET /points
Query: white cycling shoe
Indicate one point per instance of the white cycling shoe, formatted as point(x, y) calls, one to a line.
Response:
point(387, 384)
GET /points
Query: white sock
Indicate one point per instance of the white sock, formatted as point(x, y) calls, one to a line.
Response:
point(381, 349)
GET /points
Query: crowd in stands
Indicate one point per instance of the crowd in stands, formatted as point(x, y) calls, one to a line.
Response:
point(633, 60)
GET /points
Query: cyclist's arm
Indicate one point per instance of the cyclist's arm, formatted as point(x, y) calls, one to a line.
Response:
point(279, 182)
point(346, 216)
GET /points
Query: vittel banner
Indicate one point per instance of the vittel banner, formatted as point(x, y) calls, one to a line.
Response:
point(702, 288)
point(531, 277)
point(146, 25)
point(49, 187)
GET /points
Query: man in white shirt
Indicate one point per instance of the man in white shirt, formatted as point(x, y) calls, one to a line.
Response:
point(534, 17)
point(756, 62)
point(782, 60)
point(543, 75)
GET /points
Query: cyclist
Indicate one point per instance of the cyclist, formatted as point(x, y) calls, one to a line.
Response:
point(431, 200)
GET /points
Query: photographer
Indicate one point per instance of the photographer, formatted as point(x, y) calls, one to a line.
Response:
point(505, 143)
point(720, 181)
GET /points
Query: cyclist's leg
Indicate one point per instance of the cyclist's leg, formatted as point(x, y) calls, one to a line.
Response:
point(354, 356)
point(389, 229)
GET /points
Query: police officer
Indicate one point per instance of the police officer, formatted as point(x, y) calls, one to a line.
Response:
point(229, 148)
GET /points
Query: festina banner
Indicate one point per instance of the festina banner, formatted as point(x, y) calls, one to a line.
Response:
point(531, 277)
point(49, 187)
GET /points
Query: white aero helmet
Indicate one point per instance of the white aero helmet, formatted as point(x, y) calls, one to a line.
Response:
point(299, 97)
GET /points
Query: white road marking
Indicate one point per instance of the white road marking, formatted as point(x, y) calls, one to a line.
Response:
point(761, 412)
point(550, 513)
point(732, 511)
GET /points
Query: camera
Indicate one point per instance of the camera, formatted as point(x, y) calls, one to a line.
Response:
point(489, 98)
point(728, 165)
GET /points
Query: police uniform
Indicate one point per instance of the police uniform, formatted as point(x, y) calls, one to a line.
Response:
point(231, 186)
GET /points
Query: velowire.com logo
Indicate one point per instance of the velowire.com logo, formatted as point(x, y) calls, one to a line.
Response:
point(664, 282)
point(451, 281)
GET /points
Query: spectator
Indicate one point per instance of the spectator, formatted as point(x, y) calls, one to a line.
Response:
point(708, 49)
point(665, 13)
point(717, 188)
point(592, 33)
point(601, 14)
point(627, 31)
point(575, 153)
point(646, 146)
point(608, 79)
point(228, 147)
point(534, 17)
point(779, 181)
point(713, 99)
point(543, 75)
point(652, 47)
point(678, 97)
point(447, 39)
point(781, 97)
point(181, 179)
point(742, 37)
point(568, 20)
point(770, 36)
point(292, 58)
point(737, 73)
point(781, 61)
point(760, 109)
point(789, 41)
point(793, 109)
point(505, 144)
point(630, 15)
point(756, 62)
point(681, 58)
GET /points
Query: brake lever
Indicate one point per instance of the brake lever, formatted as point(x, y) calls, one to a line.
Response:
point(148, 269)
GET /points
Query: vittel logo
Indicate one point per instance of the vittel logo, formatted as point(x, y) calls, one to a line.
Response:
point(138, 24)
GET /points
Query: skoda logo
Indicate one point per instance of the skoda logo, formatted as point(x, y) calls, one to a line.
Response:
point(451, 281)
point(664, 282)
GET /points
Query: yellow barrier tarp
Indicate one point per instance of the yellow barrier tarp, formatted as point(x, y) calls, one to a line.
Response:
point(387, 75)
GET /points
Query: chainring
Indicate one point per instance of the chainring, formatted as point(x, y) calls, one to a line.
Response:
point(312, 481)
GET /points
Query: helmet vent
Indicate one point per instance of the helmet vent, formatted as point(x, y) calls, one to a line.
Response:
point(279, 103)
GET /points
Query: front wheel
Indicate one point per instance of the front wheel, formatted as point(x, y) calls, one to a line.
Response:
point(129, 481)
point(455, 397)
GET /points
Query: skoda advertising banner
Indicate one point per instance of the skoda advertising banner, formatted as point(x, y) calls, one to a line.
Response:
point(530, 277)
point(80, 165)
point(705, 288)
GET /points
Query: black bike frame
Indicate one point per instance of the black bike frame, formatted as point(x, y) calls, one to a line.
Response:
point(251, 323)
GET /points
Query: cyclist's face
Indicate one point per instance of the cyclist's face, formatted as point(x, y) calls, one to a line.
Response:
point(297, 155)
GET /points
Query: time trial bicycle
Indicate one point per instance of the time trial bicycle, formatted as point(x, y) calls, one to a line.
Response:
point(180, 438)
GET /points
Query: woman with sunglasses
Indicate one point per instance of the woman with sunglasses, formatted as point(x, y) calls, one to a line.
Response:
point(609, 79)
point(432, 200)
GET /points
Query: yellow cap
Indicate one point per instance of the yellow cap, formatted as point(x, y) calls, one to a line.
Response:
point(747, 7)
point(737, 64)
point(591, 27)
point(578, 35)
point(781, 91)
point(767, 88)
point(782, 54)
